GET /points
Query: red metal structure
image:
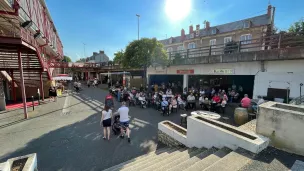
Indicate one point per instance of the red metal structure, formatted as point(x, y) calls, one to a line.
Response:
point(28, 39)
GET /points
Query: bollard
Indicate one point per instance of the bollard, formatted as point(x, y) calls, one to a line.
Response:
point(38, 98)
point(33, 103)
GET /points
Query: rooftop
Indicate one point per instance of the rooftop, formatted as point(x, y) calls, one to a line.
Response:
point(257, 21)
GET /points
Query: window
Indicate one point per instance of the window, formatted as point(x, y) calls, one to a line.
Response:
point(214, 31)
point(227, 39)
point(212, 42)
point(180, 48)
point(170, 49)
point(247, 24)
point(191, 45)
point(191, 35)
point(246, 39)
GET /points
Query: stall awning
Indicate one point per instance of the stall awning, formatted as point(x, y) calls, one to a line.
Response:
point(62, 78)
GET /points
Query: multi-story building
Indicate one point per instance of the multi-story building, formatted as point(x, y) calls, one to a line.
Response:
point(212, 39)
point(100, 57)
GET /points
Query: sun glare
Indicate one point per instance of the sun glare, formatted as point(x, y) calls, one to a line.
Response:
point(177, 9)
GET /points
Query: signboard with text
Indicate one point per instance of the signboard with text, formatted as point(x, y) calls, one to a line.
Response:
point(185, 71)
point(223, 71)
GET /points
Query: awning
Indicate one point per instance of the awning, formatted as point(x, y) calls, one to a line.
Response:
point(62, 78)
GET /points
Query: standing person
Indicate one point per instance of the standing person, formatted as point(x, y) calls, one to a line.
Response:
point(106, 115)
point(51, 94)
point(155, 87)
point(88, 83)
point(141, 89)
point(245, 102)
point(123, 112)
point(109, 100)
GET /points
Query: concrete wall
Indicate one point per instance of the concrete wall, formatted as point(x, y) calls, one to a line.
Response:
point(283, 124)
point(171, 137)
point(203, 134)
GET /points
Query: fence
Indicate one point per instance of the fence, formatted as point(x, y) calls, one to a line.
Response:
point(210, 54)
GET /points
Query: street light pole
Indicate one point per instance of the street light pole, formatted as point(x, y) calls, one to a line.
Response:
point(138, 16)
point(84, 50)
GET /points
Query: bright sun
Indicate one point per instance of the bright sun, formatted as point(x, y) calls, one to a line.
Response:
point(177, 9)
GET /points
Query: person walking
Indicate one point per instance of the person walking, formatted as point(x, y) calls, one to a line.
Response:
point(123, 112)
point(106, 115)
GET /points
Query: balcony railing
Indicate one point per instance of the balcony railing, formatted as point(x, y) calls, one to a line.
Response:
point(209, 54)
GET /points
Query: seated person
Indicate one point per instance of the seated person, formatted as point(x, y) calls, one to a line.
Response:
point(260, 101)
point(181, 101)
point(206, 104)
point(245, 102)
point(216, 99)
point(164, 104)
point(169, 91)
point(173, 104)
point(201, 100)
point(191, 100)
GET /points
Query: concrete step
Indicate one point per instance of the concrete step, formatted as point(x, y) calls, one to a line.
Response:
point(180, 160)
point(186, 164)
point(257, 165)
point(233, 161)
point(156, 159)
point(140, 158)
point(209, 160)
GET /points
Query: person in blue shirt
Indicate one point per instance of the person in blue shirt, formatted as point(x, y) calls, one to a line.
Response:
point(164, 103)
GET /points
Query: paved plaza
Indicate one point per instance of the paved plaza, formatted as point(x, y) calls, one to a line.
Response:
point(66, 135)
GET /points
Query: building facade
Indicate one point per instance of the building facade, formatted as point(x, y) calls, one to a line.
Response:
point(214, 38)
point(100, 57)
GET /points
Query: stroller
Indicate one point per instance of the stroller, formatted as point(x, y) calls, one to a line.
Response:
point(116, 126)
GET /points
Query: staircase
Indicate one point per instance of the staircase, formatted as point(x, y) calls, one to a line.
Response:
point(178, 159)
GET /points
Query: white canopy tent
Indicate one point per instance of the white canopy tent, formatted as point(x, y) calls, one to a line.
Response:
point(62, 78)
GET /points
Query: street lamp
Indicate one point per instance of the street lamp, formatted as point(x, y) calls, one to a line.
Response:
point(138, 16)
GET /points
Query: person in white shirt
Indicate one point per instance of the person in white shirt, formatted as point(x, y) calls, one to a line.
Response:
point(169, 92)
point(201, 100)
point(123, 112)
point(190, 97)
point(106, 121)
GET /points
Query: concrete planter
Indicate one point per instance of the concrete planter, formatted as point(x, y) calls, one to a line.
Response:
point(283, 124)
point(204, 132)
point(30, 165)
point(171, 136)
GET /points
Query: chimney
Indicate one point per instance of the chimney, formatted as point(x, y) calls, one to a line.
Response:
point(101, 52)
point(183, 34)
point(207, 25)
point(190, 29)
point(269, 9)
point(197, 27)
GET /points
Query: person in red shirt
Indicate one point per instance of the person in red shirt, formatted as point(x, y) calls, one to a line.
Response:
point(216, 98)
point(109, 100)
point(245, 102)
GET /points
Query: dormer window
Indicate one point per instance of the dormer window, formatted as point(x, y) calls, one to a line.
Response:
point(247, 24)
point(191, 35)
point(214, 31)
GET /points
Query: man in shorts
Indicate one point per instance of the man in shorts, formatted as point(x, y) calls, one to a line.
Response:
point(123, 112)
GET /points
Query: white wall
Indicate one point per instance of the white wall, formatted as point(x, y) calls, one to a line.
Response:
point(283, 126)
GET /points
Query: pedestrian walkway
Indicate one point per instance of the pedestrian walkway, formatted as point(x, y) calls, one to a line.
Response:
point(62, 132)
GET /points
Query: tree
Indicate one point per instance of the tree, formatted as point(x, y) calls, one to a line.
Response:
point(66, 59)
point(118, 57)
point(144, 52)
point(297, 28)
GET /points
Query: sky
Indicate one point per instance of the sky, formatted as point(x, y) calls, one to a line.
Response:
point(110, 25)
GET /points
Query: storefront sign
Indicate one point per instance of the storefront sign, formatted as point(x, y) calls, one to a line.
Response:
point(223, 71)
point(185, 71)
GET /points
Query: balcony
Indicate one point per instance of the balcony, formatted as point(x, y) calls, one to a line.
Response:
point(274, 47)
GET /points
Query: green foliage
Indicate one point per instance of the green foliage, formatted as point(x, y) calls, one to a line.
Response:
point(297, 28)
point(144, 52)
point(118, 57)
point(231, 47)
point(66, 59)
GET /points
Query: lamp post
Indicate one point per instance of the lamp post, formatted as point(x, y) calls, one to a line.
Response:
point(138, 16)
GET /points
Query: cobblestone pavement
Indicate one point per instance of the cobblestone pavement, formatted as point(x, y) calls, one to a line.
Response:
point(66, 135)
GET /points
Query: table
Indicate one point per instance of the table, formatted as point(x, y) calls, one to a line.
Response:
point(206, 114)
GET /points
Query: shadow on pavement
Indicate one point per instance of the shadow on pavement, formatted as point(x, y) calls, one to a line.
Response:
point(80, 146)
